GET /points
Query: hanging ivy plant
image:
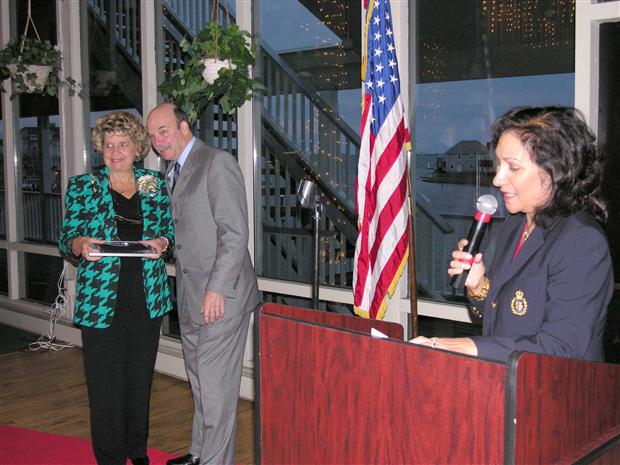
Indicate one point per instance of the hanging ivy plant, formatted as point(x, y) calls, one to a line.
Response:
point(231, 47)
point(23, 59)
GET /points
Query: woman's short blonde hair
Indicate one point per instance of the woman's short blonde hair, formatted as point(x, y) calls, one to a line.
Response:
point(123, 123)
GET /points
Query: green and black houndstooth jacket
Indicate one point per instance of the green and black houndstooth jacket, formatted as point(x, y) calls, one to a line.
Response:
point(90, 213)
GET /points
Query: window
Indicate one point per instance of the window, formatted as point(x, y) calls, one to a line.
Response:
point(38, 146)
point(42, 273)
point(476, 60)
point(39, 160)
point(608, 137)
point(309, 62)
point(37, 190)
point(114, 65)
point(184, 19)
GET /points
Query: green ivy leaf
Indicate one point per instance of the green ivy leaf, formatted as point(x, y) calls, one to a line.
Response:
point(35, 52)
point(186, 86)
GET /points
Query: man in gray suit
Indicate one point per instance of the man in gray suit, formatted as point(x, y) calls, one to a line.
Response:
point(216, 283)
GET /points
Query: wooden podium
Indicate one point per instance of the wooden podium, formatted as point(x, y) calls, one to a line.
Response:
point(329, 393)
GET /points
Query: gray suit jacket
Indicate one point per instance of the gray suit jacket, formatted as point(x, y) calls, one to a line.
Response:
point(210, 217)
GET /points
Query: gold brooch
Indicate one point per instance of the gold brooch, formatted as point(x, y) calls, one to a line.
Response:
point(519, 304)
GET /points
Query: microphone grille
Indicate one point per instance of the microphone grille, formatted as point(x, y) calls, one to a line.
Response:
point(486, 204)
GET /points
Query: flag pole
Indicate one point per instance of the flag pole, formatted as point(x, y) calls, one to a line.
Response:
point(413, 284)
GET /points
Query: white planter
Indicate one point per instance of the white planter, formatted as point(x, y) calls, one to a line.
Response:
point(213, 66)
point(41, 72)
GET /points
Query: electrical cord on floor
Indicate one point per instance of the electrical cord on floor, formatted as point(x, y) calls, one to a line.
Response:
point(56, 310)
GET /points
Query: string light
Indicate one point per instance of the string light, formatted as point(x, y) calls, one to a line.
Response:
point(523, 22)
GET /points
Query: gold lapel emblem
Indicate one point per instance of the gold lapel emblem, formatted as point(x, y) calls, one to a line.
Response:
point(519, 304)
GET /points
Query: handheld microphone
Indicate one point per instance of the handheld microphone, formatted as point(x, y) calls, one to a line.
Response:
point(486, 205)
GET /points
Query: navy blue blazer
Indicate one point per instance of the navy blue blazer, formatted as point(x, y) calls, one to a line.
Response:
point(553, 297)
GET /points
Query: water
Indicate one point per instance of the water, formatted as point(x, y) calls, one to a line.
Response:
point(452, 199)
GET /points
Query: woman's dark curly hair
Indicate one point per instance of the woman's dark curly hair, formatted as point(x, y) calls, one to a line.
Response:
point(560, 142)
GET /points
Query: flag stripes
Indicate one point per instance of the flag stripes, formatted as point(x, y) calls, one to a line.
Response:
point(382, 189)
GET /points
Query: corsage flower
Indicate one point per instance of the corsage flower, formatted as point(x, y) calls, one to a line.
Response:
point(147, 185)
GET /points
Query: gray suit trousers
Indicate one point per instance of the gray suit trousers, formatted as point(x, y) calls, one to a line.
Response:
point(213, 360)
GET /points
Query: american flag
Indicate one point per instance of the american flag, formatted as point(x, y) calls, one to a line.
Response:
point(382, 190)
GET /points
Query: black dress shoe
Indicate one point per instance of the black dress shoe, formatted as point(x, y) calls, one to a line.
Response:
point(141, 460)
point(188, 459)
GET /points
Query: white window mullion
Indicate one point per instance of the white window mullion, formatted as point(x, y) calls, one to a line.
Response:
point(74, 121)
point(246, 144)
point(73, 125)
point(588, 18)
point(10, 112)
point(149, 11)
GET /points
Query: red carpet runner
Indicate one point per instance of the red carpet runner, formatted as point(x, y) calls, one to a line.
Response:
point(20, 446)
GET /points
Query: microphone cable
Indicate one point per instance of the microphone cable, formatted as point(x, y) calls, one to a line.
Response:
point(56, 310)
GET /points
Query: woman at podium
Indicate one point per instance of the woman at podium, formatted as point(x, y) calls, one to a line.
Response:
point(550, 281)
